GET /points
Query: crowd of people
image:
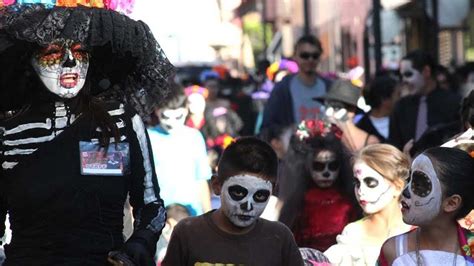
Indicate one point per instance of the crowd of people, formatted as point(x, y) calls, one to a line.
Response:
point(108, 158)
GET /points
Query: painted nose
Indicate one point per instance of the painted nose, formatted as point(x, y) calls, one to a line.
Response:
point(406, 193)
point(246, 206)
point(326, 174)
point(70, 61)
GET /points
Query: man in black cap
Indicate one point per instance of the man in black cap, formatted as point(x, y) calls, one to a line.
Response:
point(290, 101)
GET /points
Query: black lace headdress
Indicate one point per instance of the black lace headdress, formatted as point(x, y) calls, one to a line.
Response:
point(128, 63)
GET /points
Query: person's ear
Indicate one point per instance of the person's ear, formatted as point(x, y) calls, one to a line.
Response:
point(277, 145)
point(216, 185)
point(452, 203)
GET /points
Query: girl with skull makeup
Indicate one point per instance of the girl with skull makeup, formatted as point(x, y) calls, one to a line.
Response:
point(314, 185)
point(379, 176)
point(438, 193)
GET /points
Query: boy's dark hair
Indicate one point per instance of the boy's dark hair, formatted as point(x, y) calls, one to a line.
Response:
point(381, 88)
point(420, 59)
point(309, 39)
point(455, 170)
point(248, 155)
point(177, 99)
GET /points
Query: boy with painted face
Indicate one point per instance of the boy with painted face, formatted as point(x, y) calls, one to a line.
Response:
point(315, 185)
point(180, 156)
point(379, 176)
point(234, 234)
point(438, 193)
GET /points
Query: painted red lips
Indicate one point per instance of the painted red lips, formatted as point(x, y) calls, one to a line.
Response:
point(69, 80)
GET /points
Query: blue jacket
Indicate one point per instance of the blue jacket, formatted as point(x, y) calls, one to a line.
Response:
point(279, 107)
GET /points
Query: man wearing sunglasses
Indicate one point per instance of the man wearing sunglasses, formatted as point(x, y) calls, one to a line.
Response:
point(425, 107)
point(291, 99)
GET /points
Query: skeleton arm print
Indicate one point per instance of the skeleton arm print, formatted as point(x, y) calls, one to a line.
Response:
point(148, 210)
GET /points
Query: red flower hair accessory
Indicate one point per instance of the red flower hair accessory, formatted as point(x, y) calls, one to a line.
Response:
point(316, 127)
point(196, 89)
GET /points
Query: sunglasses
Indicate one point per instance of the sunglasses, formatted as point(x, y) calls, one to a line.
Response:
point(407, 74)
point(320, 166)
point(306, 56)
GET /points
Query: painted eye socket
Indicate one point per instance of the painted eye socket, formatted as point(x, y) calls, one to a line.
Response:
point(165, 117)
point(79, 52)
point(261, 195)
point(50, 55)
point(356, 182)
point(371, 182)
point(179, 116)
point(421, 184)
point(237, 192)
point(333, 166)
point(318, 166)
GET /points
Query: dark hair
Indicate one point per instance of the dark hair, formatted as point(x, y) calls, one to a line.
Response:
point(272, 132)
point(467, 110)
point(176, 99)
point(455, 170)
point(309, 39)
point(420, 59)
point(381, 88)
point(248, 155)
point(294, 173)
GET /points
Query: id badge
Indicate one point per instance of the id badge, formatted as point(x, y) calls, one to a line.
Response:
point(95, 160)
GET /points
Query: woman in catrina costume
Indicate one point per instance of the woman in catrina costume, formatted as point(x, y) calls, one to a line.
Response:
point(75, 79)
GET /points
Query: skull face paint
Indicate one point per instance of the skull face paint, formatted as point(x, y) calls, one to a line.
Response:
point(172, 119)
point(197, 103)
point(244, 197)
point(62, 67)
point(412, 77)
point(336, 111)
point(372, 190)
point(324, 169)
point(421, 198)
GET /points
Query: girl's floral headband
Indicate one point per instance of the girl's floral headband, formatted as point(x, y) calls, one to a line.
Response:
point(315, 128)
point(196, 89)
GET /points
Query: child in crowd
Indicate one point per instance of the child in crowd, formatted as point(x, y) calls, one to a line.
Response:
point(180, 157)
point(174, 214)
point(439, 192)
point(316, 185)
point(234, 234)
point(380, 171)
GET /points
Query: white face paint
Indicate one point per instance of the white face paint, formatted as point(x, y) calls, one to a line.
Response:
point(172, 119)
point(62, 67)
point(336, 112)
point(372, 190)
point(421, 198)
point(324, 169)
point(244, 197)
point(196, 103)
point(410, 76)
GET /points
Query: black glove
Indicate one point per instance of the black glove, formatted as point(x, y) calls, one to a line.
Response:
point(138, 253)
